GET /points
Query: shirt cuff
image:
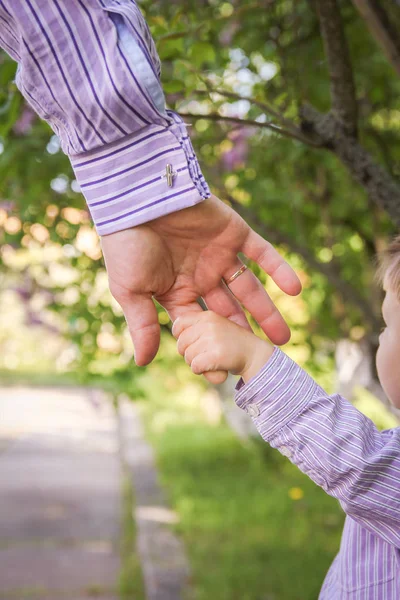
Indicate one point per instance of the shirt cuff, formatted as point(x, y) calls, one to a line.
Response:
point(125, 183)
point(277, 394)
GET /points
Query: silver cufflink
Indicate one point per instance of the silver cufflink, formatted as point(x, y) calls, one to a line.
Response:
point(169, 175)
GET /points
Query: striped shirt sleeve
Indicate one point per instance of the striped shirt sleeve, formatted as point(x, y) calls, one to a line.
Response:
point(339, 448)
point(91, 70)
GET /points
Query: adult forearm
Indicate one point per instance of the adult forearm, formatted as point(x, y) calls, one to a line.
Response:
point(91, 70)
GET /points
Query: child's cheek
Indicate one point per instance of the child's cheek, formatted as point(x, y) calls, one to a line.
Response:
point(387, 367)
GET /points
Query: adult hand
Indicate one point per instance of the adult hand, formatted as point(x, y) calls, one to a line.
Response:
point(184, 255)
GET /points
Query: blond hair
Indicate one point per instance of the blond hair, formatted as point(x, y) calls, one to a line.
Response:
point(389, 265)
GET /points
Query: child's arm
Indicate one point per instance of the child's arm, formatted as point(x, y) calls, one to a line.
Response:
point(325, 436)
point(329, 440)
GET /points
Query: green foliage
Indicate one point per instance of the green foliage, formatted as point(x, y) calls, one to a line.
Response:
point(201, 53)
point(320, 219)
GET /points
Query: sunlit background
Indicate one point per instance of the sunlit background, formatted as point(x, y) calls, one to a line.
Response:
point(252, 526)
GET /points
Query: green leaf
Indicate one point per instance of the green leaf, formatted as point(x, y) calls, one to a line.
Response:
point(170, 48)
point(173, 86)
point(201, 53)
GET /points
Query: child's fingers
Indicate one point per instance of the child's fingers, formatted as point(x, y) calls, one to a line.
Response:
point(193, 349)
point(208, 361)
point(189, 328)
point(187, 337)
point(205, 363)
point(216, 377)
point(185, 321)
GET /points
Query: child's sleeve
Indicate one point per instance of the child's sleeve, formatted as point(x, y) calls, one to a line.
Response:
point(329, 440)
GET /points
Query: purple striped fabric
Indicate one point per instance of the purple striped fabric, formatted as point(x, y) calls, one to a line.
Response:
point(343, 452)
point(90, 68)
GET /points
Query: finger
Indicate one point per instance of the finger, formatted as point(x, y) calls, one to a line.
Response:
point(186, 320)
point(192, 354)
point(187, 333)
point(201, 366)
point(142, 319)
point(223, 302)
point(249, 290)
point(198, 346)
point(178, 311)
point(269, 259)
point(188, 337)
point(216, 377)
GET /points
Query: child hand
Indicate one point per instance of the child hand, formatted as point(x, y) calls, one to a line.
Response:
point(209, 342)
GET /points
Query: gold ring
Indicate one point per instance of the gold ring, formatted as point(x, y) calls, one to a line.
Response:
point(235, 275)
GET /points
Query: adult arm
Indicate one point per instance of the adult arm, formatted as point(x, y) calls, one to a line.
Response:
point(329, 440)
point(90, 68)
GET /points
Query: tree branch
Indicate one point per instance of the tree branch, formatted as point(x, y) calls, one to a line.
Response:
point(381, 28)
point(298, 135)
point(381, 188)
point(343, 95)
point(265, 107)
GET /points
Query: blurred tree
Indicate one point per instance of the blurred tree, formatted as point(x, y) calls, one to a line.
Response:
point(295, 114)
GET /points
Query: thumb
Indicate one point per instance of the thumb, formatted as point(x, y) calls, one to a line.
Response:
point(142, 320)
point(216, 377)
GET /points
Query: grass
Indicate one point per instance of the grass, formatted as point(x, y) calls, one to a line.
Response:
point(130, 580)
point(254, 527)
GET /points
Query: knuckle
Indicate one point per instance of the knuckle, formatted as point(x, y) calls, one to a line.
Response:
point(119, 294)
point(196, 362)
point(196, 368)
point(214, 334)
point(212, 328)
point(188, 358)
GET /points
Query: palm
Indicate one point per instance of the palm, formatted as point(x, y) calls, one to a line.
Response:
point(184, 255)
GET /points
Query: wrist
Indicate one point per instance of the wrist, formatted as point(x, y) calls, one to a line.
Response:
point(261, 353)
